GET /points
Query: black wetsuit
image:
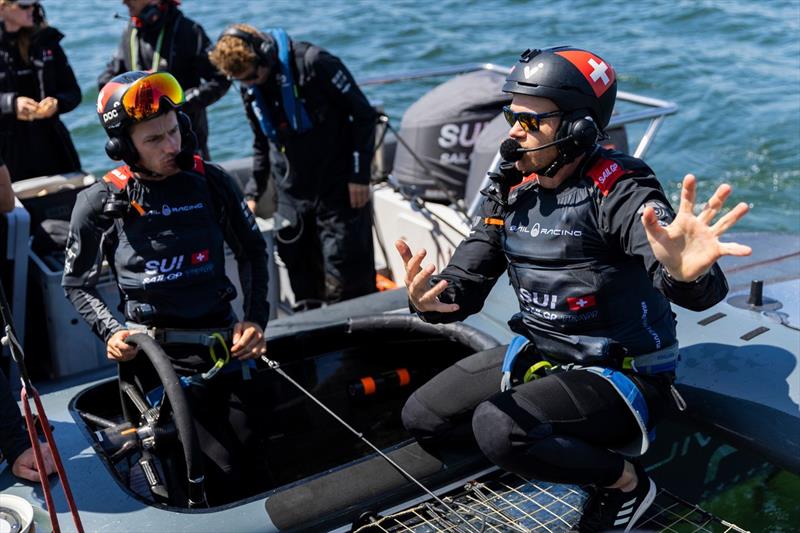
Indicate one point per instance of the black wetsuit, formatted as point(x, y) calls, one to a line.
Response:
point(40, 147)
point(590, 292)
point(170, 268)
point(184, 54)
point(327, 247)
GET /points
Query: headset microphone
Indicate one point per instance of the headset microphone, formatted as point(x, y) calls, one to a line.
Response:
point(511, 150)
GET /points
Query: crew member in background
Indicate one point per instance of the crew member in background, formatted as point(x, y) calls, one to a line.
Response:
point(314, 132)
point(36, 86)
point(15, 447)
point(595, 254)
point(160, 37)
point(161, 222)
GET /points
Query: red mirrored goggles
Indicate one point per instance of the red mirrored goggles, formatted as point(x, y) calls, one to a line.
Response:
point(143, 99)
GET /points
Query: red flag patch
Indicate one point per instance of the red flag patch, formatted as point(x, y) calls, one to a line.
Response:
point(597, 72)
point(580, 303)
point(605, 174)
point(200, 257)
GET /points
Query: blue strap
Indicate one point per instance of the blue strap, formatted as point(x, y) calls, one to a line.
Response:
point(632, 396)
point(516, 345)
point(295, 111)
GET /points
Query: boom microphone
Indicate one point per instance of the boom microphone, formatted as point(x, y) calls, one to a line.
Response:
point(511, 150)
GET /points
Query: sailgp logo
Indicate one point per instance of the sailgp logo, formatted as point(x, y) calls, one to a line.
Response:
point(607, 172)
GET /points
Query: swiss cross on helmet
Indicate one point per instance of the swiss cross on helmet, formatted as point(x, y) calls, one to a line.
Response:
point(574, 79)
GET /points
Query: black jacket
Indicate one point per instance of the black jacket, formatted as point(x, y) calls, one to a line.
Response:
point(184, 54)
point(41, 147)
point(590, 289)
point(337, 150)
point(13, 438)
point(169, 262)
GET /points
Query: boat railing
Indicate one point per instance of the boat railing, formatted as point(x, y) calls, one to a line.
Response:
point(653, 109)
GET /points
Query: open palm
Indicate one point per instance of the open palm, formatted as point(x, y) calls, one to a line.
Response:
point(690, 246)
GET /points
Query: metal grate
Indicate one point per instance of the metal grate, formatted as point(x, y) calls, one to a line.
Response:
point(504, 502)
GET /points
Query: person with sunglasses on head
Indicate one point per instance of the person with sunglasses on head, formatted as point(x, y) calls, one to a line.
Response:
point(161, 221)
point(314, 132)
point(595, 254)
point(159, 37)
point(37, 85)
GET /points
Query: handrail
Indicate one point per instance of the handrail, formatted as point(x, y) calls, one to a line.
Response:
point(657, 108)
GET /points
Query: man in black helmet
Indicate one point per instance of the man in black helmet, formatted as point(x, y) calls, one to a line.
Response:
point(161, 221)
point(595, 254)
point(160, 37)
point(314, 132)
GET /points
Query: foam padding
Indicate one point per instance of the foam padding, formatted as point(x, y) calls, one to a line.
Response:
point(348, 492)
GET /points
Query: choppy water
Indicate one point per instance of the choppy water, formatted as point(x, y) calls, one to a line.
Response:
point(732, 66)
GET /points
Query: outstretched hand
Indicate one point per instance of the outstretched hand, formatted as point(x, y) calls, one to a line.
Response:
point(417, 281)
point(690, 246)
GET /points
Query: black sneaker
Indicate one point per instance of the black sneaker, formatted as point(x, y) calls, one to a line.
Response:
point(614, 510)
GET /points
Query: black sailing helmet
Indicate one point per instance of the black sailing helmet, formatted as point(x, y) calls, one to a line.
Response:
point(574, 79)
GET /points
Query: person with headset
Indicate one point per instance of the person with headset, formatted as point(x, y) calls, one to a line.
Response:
point(161, 221)
point(595, 254)
point(314, 131)
point(37, 86)
point(160, 37)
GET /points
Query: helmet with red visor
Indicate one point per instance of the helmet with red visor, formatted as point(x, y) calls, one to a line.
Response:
point(135, 97)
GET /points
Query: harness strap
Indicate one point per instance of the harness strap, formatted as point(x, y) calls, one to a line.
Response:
point(635, 401)
point(515, 347)
point(203, 337)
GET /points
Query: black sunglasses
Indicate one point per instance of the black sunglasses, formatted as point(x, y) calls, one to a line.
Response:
point(529, 121)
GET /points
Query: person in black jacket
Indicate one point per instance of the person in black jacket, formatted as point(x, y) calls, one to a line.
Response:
point(314, 131)
point(595, 254)
point(161, 222)
point(36, 86)
point(160, 37)
point(14, 444)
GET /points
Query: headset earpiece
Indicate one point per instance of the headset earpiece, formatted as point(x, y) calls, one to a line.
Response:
point(262, 47)
point(584, 132)
point(120, 148)
point(581, 129)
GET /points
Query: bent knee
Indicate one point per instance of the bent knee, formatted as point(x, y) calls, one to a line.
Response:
point(420, 420)
point(493, 429)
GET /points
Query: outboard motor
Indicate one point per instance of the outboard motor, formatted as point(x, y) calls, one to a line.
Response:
point(441, 128)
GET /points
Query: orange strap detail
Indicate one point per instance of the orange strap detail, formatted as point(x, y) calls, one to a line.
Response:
point(118, 178)
point(404, 376)
point(494, 221)
point(138, 208)
point(369, 386)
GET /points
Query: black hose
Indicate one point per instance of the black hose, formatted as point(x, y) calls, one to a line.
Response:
point(180, 412)
point(458, 332)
